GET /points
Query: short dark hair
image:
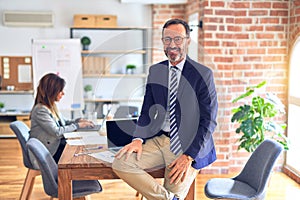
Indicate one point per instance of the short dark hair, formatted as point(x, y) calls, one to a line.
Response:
point(178, 21)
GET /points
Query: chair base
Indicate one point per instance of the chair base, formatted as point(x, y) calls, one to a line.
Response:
point(28, 184)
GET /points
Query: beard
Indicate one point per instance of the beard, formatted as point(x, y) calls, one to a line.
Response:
point(174, 54)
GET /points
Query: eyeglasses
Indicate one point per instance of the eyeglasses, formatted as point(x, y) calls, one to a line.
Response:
point(177, 40)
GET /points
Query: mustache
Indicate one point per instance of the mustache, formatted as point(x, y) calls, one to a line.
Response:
point(173, 49)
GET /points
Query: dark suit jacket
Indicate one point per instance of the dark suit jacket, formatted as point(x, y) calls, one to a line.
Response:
point(196, 109)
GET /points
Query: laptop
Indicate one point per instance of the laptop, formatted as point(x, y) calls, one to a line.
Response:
point(119, 133)
point(95, 128)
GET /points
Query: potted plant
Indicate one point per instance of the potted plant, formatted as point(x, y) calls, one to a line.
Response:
point(256, 119)
point(130, 68)
point(85, 41)
point(88, 89)
point(2, 107)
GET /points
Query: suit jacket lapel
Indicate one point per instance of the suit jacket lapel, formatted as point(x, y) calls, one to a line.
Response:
point(166, 83)
point(183, 79)
point(160, 78)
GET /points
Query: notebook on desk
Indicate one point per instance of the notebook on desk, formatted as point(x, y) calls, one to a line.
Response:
point(119, 133)
point(95, 128)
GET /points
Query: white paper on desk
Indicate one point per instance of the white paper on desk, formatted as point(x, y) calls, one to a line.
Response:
point(88, 139)
point(94, 140)
point(106, 156)
point(80, 134)
point(75, 142)
point(71, 135)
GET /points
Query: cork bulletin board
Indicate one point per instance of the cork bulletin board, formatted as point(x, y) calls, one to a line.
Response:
point(16, 71)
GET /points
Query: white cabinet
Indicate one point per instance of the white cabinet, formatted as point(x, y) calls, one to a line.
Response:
point(15, 109)
point(105, 61)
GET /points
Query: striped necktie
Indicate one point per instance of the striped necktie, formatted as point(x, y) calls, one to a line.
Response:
point(175, 145)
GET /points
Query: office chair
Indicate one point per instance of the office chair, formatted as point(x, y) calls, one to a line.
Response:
point(49, 171)
point(252, 181)
point(21, 130)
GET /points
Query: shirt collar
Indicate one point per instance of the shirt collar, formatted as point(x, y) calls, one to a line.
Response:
point(179, 65)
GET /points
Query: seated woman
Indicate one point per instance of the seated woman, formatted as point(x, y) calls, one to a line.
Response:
point(47, 123)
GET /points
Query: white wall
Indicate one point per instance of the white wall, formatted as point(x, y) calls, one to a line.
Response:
point(16, 41)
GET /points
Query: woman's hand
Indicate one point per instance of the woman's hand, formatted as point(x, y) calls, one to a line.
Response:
point(84, 120)
point(85, 123)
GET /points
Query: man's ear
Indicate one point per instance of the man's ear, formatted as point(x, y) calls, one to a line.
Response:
point(188, 40)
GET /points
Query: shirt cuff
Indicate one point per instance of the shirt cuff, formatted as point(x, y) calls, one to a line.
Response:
point(77, 125)
point(140, 139)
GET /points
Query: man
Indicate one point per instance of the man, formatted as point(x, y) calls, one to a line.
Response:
point(176, 123)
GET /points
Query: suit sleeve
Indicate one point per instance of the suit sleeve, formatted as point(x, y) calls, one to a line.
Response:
point(208, 107)
point(143, 125)
point(154, 106)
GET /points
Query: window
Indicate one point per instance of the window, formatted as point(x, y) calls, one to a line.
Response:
point(193, 47)
point(292, 159)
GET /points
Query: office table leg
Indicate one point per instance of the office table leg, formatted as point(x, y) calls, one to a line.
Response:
point(191, 194)
point(64, 184)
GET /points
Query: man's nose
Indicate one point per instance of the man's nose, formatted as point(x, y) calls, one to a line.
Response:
point(172, 44)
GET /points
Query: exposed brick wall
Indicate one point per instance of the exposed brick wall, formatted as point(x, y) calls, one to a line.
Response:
point(294, 26)
point(247, 42)
point(160, 14)
point(244, 42)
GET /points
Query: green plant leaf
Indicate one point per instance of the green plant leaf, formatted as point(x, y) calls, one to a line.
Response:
point(88, 88)
point(258, 122)
point(258, 103)
point(247, 127)
point(257, 86)
point(85, 40)
point(269, 110)
point(130, 66)
point(243, 96)
point(241, 113)
point(255, 119)
point(274, 127)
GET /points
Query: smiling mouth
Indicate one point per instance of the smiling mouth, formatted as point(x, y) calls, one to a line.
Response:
point(173, 49)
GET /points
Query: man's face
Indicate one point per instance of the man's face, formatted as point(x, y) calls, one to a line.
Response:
point(175, 43)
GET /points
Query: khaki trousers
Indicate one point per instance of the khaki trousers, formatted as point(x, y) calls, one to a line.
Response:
point(156, 154)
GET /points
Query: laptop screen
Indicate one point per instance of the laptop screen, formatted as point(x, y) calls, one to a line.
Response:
point(119, 132)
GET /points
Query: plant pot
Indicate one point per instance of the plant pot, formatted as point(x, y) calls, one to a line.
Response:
point(89, 94)
point(130, 71)
point(85, 47)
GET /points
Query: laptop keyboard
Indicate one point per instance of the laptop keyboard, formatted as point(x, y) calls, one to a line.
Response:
point(95, 128)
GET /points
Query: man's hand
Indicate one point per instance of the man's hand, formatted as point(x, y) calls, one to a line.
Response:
point(180, 168)
point(134, 147)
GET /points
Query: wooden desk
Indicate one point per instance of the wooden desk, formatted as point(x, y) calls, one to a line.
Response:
point(86, 167)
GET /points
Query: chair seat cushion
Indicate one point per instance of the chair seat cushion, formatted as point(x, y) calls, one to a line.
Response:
point(85, 187)
point(228, 188)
